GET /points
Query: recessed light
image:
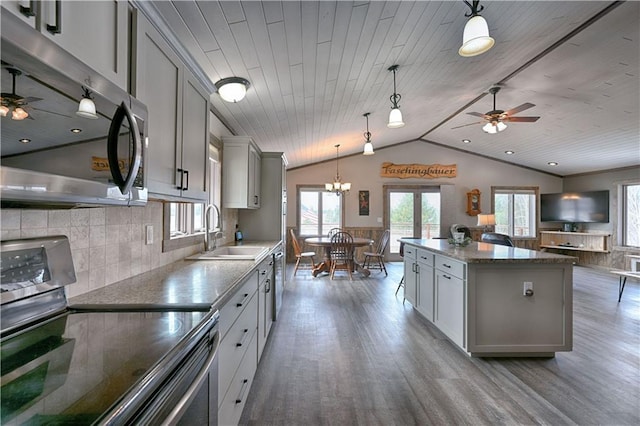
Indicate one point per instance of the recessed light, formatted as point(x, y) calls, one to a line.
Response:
point(552, 163)
point(76, 130)
point(509, 152)
point(466, 141)
point(25, 140)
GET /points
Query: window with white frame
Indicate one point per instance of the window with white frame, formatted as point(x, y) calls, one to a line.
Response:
point(515, 209)
point(318, 211)
point(630, 209)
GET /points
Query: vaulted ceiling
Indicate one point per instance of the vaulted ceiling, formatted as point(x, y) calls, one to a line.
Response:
point(316, 67)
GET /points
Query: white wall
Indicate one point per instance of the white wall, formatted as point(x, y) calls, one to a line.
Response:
point(364, 174)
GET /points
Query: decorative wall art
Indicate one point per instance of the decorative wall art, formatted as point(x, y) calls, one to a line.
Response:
point(363, 203)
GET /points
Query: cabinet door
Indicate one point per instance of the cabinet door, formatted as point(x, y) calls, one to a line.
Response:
point(254, 178)
point(26, 13)
point(425, 290)
point(450, 306)
point(96, 32)
point(194, 155)
point(410, 285)
point(158, 85)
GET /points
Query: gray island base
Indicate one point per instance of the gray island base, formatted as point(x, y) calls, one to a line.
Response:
point(492, 300)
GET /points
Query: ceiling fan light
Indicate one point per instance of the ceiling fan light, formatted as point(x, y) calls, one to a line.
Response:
point(232, 89)
point(395, 119)
point(19, 114)
point(87, 109)
point(368, 149)
point(475, 39)
point(501, 126)
point(490, 128)
point(4, 110)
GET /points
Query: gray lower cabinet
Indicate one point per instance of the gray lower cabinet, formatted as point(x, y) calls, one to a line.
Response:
point(410, 274)
point(449, 301)
point(265, 302)
point(425, 284)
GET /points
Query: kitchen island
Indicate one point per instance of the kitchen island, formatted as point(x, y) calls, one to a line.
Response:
point(492, 300)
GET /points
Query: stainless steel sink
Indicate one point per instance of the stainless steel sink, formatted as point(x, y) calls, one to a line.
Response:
point(231, 253)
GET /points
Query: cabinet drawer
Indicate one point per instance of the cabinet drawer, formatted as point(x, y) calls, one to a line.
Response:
point(238, 302)
point(233, 402)
point(265, 269)
point(425, 257)
point(236, 343)
point(410, 252)
point(451, 266)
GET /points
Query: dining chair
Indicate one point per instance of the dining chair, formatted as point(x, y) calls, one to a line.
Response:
point(341, 253)
point(332, 231)
point(378, 254)
point(300, 254)
point(496, 238)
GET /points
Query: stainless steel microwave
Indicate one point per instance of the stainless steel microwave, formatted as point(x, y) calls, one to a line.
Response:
point(53, 156)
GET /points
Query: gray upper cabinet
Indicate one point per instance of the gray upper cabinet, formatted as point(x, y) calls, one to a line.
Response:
point(176, 154)
point(241, 160)
point(96, 32)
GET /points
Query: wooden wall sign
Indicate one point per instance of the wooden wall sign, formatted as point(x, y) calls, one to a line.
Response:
point(421, 171)
point(100, 164)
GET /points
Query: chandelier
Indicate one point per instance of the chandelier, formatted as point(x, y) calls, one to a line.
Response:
point(337, 185)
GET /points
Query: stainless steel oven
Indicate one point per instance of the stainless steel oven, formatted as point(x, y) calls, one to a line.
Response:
point(56, 156)
point(98, 364)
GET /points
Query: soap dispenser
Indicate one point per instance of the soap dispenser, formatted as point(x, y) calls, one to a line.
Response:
point(238, 235)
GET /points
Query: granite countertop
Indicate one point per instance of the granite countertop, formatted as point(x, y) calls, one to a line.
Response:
point(477, 252)
point(186, 283)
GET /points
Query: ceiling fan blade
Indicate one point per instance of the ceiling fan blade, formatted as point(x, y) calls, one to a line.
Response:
point(477, 114)
point(520, 108)
point(521, 119)
point(50, 112)
point(31, 99)
point(470, 124)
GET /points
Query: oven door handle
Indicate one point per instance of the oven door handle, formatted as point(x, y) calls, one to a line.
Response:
point(203, 375)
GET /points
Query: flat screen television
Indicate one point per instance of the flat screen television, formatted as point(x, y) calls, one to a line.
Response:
point(575, 207)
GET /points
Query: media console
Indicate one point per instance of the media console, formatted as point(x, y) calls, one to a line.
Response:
point(580, 241)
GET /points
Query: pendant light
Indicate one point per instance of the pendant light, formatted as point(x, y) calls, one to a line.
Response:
point(337, 185)
point(86, 108)
point(368, 146)
point(475, 39)
point(395, 116)
point(232, 89)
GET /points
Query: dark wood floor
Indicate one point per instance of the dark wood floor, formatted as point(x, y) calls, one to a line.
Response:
point(351, 353)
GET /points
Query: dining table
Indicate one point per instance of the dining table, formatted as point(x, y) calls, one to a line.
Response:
point(325, 265)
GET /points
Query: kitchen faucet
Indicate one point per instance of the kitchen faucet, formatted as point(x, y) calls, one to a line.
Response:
point(207, 219)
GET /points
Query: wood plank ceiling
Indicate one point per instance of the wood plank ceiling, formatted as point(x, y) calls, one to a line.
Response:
point(317, 66)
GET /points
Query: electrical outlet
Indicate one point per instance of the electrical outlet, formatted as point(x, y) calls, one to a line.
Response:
point(148, 240)
point(527, 288)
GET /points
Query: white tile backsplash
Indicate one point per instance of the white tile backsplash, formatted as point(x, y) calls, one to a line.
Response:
point(107, 243)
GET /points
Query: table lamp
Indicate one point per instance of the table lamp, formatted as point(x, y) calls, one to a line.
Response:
point(486, 220)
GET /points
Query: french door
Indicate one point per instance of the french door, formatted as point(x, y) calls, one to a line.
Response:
point(411, 211)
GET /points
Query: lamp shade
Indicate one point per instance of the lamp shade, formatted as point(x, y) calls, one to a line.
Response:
point(368, 149)
point(4, 110)
point(19, 114)
point(87, 109)
point(475, 39)
point(232, 89)
point(486, 219)
point(395, 119)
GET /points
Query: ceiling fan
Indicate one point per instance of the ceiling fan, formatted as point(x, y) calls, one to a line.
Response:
point(13, 103)
point(496, 119)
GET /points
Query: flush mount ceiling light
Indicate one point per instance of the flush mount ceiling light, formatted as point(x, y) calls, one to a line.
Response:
point(395, 116)
point(475, 39)
point(86, 108)
point(232, 89)
point(368, 146)
point(337, 185)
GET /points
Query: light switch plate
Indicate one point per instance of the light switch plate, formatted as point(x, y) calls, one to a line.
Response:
point(148, 231)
